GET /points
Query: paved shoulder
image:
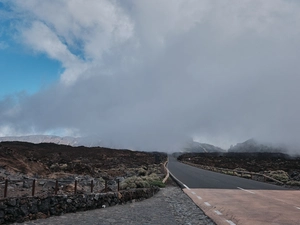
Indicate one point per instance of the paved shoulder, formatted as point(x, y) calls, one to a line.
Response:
point(169, 206)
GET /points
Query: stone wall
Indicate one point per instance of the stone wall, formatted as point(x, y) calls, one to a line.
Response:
point(30, 208)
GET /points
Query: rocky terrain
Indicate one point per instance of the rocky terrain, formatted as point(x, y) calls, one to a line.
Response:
point(21, 162)
point(280, 166)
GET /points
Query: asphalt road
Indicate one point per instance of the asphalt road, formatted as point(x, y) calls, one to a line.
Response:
point(194, 177)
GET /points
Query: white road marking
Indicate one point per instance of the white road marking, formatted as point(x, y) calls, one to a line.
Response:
point(186, 186)
point(179, 180)
point(199, 197)
point(218, 212)
point(298, 207)
point(206, 203)
point(230, 222)
point(246, 190)
point(193, 193)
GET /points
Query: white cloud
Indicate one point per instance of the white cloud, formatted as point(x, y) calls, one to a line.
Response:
point(149, 73)
point(63, 132)
point(89, 28)
point(6, 130)
point(42, 39)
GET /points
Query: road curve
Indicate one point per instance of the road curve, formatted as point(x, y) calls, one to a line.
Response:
point(194, 177)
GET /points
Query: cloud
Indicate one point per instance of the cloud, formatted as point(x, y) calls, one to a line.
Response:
point(148, 74)
point(76, 33)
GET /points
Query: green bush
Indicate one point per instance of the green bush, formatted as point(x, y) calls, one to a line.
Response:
point(293, 183)
point(157, 183)
point(279, 175)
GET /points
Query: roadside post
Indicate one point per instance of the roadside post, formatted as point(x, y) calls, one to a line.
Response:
point(5, 188)
point(33, 187)
point(56, 187)
point(92, 185)
point(75, 188)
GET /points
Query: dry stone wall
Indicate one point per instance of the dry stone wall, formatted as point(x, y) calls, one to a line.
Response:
point(30, 208)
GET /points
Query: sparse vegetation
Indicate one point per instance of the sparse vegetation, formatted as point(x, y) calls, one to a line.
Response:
point(278, 175)
point(158, 184)
point(134, 169)
point(142, 181)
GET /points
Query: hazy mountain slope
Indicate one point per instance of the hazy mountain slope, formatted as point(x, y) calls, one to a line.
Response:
point(194, 146)
point(88, 141)
point(252, 145)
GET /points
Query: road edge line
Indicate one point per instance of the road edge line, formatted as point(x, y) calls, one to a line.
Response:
point(168, 172)
point(178, 182)
point(242, 189)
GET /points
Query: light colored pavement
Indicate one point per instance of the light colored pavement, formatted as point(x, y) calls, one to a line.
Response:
point(248, 207)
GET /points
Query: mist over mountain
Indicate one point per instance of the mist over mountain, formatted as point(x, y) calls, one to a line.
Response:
point(72, 141)
point(148, 74)
point(194, 146)
point(92, 141)
point(253, 145)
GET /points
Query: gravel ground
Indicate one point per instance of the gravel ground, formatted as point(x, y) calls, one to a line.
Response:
point(170, 206)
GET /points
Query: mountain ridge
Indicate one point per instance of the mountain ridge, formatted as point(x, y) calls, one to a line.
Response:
point(252, 145)
point(67, 140)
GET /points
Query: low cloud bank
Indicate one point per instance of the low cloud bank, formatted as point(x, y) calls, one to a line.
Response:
point(152, 74)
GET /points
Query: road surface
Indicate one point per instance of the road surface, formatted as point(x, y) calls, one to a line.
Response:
point(198, 178)
point(234, 200)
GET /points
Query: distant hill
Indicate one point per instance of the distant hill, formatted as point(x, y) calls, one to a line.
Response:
point(49, 159)
point(193, 146)
point(252, 145)
point(72, 141)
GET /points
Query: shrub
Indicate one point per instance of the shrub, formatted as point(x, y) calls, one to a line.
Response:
point(293, 183)
point(279, 175)
point(157, 183)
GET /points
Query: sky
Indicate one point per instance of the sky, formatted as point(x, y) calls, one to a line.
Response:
point(151, 74)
